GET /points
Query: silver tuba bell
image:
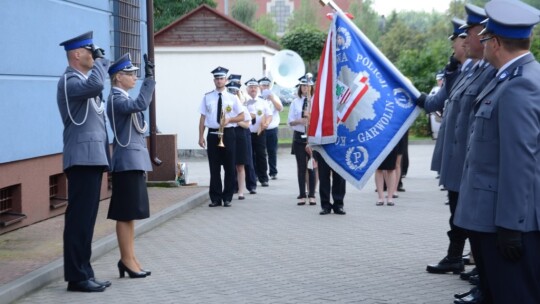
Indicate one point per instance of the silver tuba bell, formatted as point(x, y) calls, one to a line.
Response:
point(286, 67)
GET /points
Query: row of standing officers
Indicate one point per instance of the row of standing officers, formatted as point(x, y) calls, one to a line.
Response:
point(488, 152)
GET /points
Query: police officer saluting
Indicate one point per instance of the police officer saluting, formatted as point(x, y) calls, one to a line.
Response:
point(499, 202)
point(85, 155)
point(220, 111)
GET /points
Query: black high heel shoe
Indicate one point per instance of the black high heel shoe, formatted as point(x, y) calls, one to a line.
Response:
point(122, 269)
point(148, 272)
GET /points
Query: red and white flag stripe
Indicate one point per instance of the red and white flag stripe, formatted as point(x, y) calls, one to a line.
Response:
point(322, 126)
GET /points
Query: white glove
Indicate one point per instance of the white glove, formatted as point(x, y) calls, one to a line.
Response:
point(266, 93)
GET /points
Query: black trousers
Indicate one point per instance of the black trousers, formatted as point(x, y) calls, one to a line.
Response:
point(217, 157)
point(251, 177)
point(260, 161)
point(299, 149)
point(336, 186)
point(84, 187)
point(502, 281)
point(457, 235)
point(272, 149)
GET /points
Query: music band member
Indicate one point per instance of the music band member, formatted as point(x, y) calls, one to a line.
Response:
point(220, 111)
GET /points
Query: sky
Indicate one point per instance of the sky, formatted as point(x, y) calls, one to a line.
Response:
point(385, 7)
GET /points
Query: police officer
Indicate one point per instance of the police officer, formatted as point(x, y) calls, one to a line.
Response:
point(457, 64)
point(273, 128)
point(220, 111)
point(499, 199)
point(85, 155)
point(458, 110)
point(261, 117)
point(130, 159)
point(330, 182)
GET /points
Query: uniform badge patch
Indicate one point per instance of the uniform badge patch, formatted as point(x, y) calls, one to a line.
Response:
point(517, 72)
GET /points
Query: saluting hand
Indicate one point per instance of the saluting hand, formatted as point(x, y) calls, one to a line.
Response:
point(148, 67)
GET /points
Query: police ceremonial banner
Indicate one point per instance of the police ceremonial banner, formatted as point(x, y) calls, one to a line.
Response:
point(362, 104)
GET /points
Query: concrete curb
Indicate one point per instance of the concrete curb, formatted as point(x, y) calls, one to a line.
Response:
point(40, 277)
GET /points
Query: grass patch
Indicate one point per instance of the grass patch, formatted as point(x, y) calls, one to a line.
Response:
point(284, 115)
point(284, 141)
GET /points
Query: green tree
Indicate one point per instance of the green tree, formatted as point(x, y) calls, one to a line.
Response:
point(366, 19)
point(304, 16)
point(244, 11)
point(308, 42)
point(166, 11)
point(421, 65)
point(266, 26)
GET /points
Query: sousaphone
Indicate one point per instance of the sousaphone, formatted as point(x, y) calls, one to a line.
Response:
point(286, 67)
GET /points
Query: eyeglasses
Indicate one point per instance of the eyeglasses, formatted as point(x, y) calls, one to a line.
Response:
point(484, 40)
point(129, 73)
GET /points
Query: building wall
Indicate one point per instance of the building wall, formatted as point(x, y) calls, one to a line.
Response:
point(32, 62)
point(31, 179)
point(184, 77)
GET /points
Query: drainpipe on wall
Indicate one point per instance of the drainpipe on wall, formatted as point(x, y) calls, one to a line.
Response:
point(152, 110)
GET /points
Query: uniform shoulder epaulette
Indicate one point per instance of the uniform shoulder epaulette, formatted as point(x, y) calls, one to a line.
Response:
point(517, 72)
point(74, 74)
point(208, 92)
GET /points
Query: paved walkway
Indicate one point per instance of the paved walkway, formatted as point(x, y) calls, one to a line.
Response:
point(266, 249)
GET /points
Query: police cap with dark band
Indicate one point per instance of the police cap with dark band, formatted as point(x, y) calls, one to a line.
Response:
point(220, 72)
point(81, 41)
point(510, 19)
point(475, 15)
point(457, 24)
point(122, 64)
point(234, 78)
point(252, 82)
point(233, 86)
point(265, 81)
point(304, 81)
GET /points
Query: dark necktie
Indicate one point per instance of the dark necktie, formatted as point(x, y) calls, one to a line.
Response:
point(304, 107)
point(219, 106)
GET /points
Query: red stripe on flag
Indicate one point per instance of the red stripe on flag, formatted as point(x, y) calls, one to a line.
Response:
point(314, 121)
point(328, 114)
point(324, 93)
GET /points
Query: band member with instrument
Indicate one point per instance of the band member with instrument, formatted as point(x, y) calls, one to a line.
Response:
point(261, 118)
point(220, 111)
point(83, 115)
point(298, 121)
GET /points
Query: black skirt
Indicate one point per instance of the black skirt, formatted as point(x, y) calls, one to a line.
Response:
point(389, 163)
point(129, 200)
point(241, 145)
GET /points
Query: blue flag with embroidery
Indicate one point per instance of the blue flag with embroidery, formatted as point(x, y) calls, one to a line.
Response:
point(362, 105)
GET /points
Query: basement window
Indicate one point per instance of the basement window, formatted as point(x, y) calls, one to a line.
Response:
point(10, 206)
point(57, 191)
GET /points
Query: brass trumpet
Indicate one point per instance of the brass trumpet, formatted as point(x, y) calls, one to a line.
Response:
point(221, 130)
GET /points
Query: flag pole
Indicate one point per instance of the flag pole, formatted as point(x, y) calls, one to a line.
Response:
point(330, 3)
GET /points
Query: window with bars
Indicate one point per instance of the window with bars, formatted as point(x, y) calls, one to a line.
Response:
point(10, 206)
point(6, 200)
point(282, 10)
point(127, 30)
point(57, 191)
